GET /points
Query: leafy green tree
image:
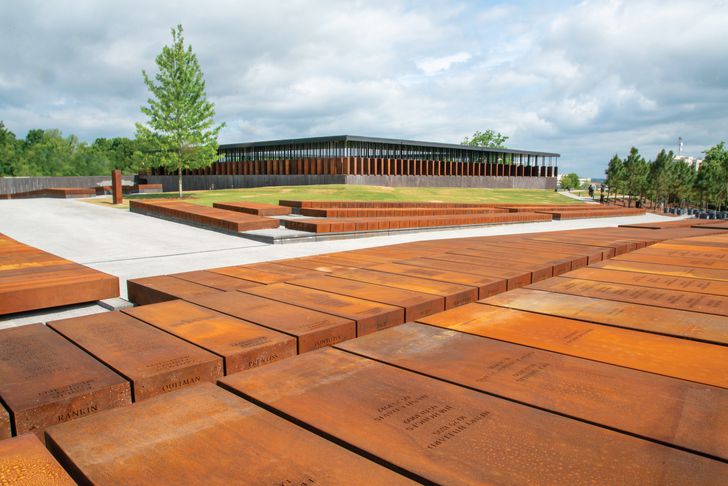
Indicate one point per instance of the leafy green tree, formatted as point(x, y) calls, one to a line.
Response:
point(488, 138)
point(712, 177)
point(10, 149)
point(681, 182)
point(180, 132)
point(615, 175)
point(635, 175)
point(660, 175)
point(570, 181)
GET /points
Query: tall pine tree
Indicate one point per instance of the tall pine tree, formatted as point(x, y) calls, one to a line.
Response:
point(180, 132)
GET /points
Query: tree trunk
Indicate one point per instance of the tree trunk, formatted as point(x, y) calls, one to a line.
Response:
point(179, 182)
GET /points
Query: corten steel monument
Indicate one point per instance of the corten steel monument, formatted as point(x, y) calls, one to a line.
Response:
point(368, 156)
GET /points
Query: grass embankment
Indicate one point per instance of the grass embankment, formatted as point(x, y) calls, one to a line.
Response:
point(341, 192)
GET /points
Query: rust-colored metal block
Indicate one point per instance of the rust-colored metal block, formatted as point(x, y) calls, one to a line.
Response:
point(258, 209)
point(312, 329)
point(215, 280)
point(4, 423)
point(369, 316)
point(486, 286)
point(514, 278)
point(242, 345)
point(154, 361)
point(686, 284)
point(253, 274)
point(620, 398)
point(687, 254)
point(205, 435)
point(660, 259)
point(24, 461)
point(660, 320)
point(446, 434)
point(672, 299)
point(664, 269)
point(504, 267)
point(557, 265)
point(415, 304)
point(679, 358)
point(152, 290)
point(116, 186)
point(453, 294)
point(45, 380)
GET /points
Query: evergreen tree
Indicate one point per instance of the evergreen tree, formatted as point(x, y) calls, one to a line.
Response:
point(615, 175)
point(635, 175)
point(659, 176)
point(488, 138)
point(180, 132)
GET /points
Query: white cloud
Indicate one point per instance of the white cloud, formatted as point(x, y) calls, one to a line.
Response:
point(584, 79)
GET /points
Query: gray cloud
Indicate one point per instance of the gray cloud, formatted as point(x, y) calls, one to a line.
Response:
point(585, 79)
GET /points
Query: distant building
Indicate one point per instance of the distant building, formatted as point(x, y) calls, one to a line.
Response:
point(693, 162)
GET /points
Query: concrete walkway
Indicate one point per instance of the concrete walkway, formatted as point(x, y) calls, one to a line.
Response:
point(130, 245)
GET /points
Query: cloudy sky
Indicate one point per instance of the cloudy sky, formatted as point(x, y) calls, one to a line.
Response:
point(585, 79)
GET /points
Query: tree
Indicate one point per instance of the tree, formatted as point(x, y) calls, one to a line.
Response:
point(180, 133)
point(712, 177)
point(635, 175)
point(570, 181)
point(660, 175)
point(615, 175)
point(9, 151)
point(488, 138)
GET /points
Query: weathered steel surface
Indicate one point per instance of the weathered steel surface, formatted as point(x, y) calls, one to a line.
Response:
point(686, 284)
point(44, 379)
point(312, 329)
point(679, 358)
point(558, 265)
point(486, 286)
point(241, 344)
point(664, 259)
point(514, 279)
point(33, 279)
point(453, 294)
point(447, 434)
point(215, 280)
point(253, 274)
point(672, 299)
point(415, 304)
point(620, 398)
point(672, 322)
point(688, 254)
point(156, 362)
point(24, 461)
point(205, 435)
point(4, 423)
point(717, 225)
point(504, 268)
point(116, 188)
point(258, 209)
point(664, 269)
point(151, 290)
point(369, 316)
point(687, 245)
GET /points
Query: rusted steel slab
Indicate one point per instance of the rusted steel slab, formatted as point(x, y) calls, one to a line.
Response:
point(314, 265)
point(685, 284)
point(558, 265)
point(152, 290)
point(486, 286)
point(716, 226)
point(4, 423)
point(539, 271)
point(24, 461)
point(447, 434)
point(415, 304)
point(241, 344)
point(660, 320)
point(288, 271)
point(620, 398)
point(691, 253)
point(258, 209)
point(679, 358)
point(687, 245)
point(453, 294)
point(662, 259)
point(578, 257)
point(215, 280)
point(249, 272)
point(312, 329)
point(618, 247)
point(671, 299)
point(514, 278)
point(154, 361)
point(369, 316)
point(664, 269)
point(45, 380)
point(205, 435)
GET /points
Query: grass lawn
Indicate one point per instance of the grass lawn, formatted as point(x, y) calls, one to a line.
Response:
point(342, 192)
